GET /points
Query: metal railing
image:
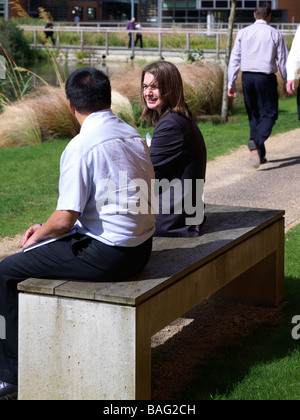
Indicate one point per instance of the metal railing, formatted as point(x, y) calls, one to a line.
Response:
point(201, 25)
point(107, 49)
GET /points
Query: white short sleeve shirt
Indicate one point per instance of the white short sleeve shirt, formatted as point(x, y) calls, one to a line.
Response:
point(106, 175)
point(293, 63)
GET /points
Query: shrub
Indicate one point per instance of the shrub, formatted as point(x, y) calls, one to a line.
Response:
point(122, 107)
point(203, 87)
point(19, 126)
point(38, 116)
point(13, 40)
point(45, 114)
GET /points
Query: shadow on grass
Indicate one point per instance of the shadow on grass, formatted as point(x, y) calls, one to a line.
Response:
point(215, 353)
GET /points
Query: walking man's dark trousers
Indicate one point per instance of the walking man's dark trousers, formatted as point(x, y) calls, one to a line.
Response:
point(261, 100)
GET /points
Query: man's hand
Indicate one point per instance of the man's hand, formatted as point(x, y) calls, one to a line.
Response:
point(232, 93)
point(59, 223)
point(29, 233)
point(290, 87)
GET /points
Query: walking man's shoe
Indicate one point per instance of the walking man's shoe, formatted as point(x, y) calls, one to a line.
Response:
point(8, 391)
point(255, 159)
point(254, 154)
point(263, 161)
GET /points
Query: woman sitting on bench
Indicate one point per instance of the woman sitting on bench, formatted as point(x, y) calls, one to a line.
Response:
point(178, 152)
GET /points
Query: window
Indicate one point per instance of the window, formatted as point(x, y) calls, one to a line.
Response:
point(207, 3)
point(92, 13)
point(250, 4)
point(2, 8)
point(77, 13)
point(222, 4)
point(192, 4)
point(168, 5)
point(112, 10)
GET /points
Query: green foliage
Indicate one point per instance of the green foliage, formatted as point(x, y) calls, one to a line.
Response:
point(16, 83)
point(13, 40)
point(193, 56)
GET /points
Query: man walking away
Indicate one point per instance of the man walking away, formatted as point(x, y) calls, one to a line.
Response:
point(139, 36)
point(259, 51)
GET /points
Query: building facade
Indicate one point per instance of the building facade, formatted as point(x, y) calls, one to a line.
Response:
point(292, 8)
point(4, 9)
point(157, 12)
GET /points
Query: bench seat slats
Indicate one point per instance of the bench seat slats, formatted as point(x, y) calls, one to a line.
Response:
point(172, 258)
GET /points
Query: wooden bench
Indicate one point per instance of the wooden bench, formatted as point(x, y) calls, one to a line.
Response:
point(93, 341)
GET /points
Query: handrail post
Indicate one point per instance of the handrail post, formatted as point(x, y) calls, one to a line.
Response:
point(132, 44)
point(160, 43)
point(218, 45)
point(82, 39)
point(106, 42)
point(58, 38)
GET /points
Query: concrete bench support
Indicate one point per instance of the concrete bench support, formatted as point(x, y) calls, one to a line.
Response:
point(93, 341)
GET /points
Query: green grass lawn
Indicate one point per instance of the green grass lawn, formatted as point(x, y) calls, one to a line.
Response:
point(28, 185)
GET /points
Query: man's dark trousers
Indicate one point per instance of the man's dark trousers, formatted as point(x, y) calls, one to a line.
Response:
point(261, 100)
point(78, 258)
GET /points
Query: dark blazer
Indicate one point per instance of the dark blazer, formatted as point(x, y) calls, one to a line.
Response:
point(178, 151)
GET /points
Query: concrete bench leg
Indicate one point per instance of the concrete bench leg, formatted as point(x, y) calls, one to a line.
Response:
point(263, 283)
point(80, 350)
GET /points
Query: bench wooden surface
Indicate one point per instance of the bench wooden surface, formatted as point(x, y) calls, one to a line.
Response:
point(240, 254)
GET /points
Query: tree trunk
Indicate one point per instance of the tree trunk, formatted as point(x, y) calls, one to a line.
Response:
point(225, 101)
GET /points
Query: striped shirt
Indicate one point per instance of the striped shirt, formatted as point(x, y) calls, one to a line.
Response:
point(259, 48)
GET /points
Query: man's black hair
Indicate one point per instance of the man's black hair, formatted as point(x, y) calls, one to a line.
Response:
point(263, 10)
point(88, 90)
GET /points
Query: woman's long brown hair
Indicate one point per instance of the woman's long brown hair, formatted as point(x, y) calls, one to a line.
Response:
point(170, 85)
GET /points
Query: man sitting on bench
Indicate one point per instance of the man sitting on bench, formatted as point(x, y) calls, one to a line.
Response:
point(111, 241)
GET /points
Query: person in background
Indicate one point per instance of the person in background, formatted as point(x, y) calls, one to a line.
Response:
point(293, 65)
point(130, 27)
point(93, 235)
point(48, 32)
point(178, 151)
point(139, 36)
point(259, 51)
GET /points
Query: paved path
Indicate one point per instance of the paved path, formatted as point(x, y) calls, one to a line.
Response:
point(276, 185)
